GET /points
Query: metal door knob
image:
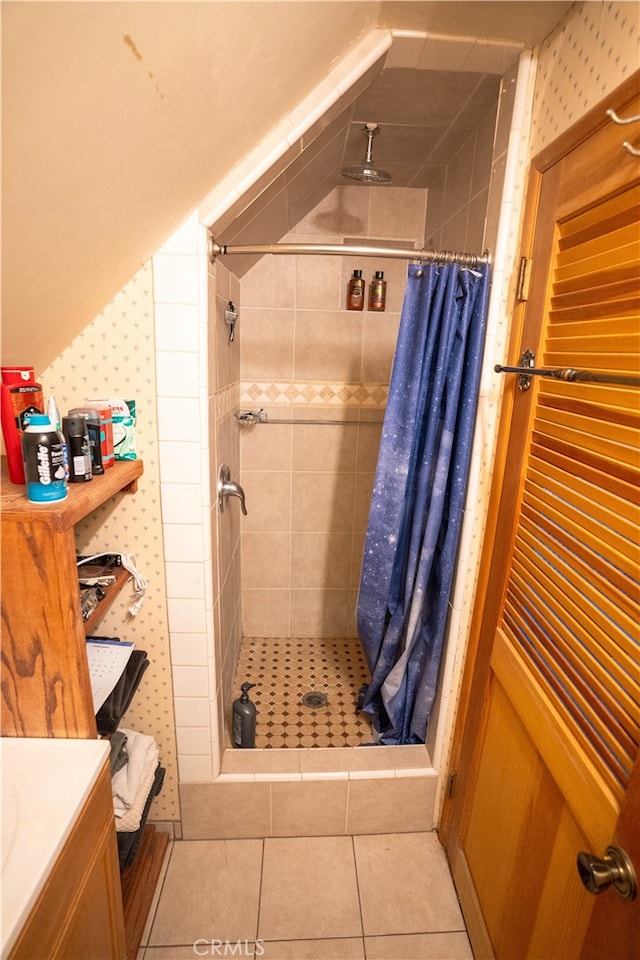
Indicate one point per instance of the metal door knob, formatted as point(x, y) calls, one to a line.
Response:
point(229, 488)
point(614, 868)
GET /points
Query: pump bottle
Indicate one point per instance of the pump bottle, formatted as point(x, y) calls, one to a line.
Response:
point(244, 719)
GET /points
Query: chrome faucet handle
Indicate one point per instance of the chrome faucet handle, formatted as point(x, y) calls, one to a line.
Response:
point(229, 488)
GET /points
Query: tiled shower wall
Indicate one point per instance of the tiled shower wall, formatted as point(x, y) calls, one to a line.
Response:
point(459, 195)
point(305, 356)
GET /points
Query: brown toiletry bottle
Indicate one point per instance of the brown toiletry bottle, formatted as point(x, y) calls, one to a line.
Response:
point(355, 296)
point(378, 292)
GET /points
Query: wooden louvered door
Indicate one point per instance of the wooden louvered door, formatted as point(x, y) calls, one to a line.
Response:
point(547, 749)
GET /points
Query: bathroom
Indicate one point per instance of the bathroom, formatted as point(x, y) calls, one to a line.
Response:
point(203, 567)
point(289, 569)
point(161, 321)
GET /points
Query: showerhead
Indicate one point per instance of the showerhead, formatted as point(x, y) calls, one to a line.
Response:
point(367, 172)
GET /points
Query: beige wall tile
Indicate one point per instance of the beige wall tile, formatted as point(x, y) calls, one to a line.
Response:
point(266, 447)
point(327, 346)
point(378, 345)
point(379, 806)
point(397, 212)
point(266, 559)
point(267, 343)
point(308, 808)
point(268, 496)
point(319, 613)
point(323, 501)
point(326, 448)
point(344, 211)
point(265, 613)
point(264, 286)
point(476, 222)
point(320, 558)
point(212, 811)
point(368, 445)
point(319, 283)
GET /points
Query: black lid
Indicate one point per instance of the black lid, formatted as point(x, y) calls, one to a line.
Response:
point(357, 274)
point(379, 274)
point(74, 426)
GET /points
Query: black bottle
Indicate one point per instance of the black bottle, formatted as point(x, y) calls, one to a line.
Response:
point(244, 719)
point(79, 451)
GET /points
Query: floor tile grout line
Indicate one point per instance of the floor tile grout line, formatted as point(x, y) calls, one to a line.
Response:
point(157, 894)
point(355, 867)
point(260, 889)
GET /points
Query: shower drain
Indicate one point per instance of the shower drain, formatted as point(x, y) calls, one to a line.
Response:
point(314, 700)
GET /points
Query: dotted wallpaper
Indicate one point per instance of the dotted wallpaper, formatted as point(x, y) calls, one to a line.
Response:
point(588, 55)
point(114, 356)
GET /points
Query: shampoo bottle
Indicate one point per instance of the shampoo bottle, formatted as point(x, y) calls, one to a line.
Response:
point(244, 719)
point(378, 292)
point(355, 295)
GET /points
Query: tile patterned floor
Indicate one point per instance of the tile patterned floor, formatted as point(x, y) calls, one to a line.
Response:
point(376, 897)
point(284, 671)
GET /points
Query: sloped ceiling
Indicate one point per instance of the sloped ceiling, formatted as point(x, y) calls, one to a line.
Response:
point(118, 118)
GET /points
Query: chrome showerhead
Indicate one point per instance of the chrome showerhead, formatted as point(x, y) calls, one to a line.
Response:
point(367, 172)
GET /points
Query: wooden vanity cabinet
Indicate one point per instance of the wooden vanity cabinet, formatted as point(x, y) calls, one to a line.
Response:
point(78, 913)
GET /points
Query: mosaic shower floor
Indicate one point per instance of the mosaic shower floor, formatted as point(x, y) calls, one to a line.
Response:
point(306, 691)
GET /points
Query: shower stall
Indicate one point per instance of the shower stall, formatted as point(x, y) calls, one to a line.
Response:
point(274, 599)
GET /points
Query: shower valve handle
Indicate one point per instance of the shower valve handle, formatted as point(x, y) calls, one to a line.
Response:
point(229, 488)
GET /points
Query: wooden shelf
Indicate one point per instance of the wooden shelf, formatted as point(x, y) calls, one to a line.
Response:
point(46, 691)
point(110, 594)
point(82, 498)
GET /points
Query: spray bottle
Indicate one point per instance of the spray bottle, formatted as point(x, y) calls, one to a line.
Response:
point(244, 719)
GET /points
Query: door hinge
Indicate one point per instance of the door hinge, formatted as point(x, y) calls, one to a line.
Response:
point(451, 788)
point(524, 273)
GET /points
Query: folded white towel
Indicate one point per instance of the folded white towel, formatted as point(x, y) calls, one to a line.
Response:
point(130, 821)
point(127, 783)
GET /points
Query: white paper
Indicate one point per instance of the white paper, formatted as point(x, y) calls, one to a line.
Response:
point(107, 661)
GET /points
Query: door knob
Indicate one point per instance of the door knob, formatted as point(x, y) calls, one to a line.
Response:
point(229, 488)
point(614, 868)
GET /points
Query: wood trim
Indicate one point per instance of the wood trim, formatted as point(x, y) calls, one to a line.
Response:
point(588, 124)
point(478, 933)
point(510, 447)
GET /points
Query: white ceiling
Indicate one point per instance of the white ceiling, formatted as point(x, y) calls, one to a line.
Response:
point(119, 118)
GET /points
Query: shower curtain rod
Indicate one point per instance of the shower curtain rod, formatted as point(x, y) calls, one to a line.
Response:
point(442, 257)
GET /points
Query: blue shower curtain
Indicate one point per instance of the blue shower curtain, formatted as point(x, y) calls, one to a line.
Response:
point(418, 497)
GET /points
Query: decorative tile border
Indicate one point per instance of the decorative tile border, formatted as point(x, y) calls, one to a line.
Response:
point(308, 393)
